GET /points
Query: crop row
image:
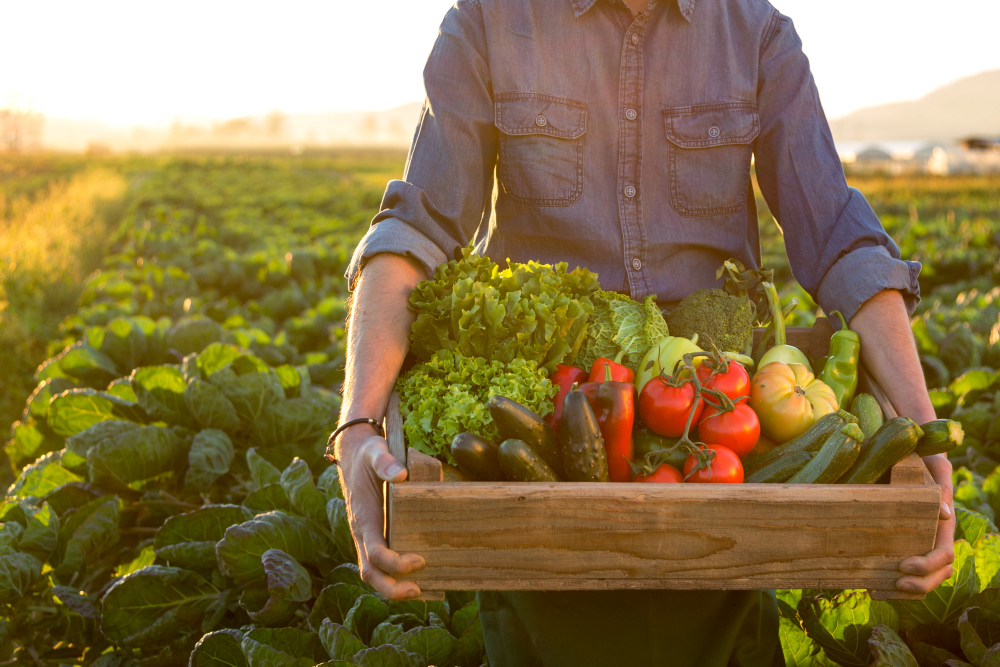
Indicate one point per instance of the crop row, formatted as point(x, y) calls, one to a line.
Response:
point(171, 500)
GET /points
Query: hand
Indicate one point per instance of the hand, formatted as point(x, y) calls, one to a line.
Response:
point(365, 462)
point(925, 573)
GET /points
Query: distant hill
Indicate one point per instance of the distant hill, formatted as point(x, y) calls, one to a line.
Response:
point(969, 106)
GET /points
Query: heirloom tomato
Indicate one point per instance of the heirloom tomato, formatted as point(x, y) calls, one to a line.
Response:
point(788, 399)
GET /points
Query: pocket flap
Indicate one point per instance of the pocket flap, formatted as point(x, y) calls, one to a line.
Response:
point(534, 113)
point(705, 125)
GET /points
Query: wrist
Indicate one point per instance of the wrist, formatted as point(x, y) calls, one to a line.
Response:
point(344, 443)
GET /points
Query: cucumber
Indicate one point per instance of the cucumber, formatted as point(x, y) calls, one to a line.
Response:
point(868, 412)
point(837, 455)
point(895, 440)
point(520, 463)
point(809, 441)
point(940, 437)
point(514, 421)
point(780, 470)
point(476, 457)
point(583, 454)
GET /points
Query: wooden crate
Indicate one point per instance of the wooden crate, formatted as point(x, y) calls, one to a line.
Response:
point(594, 536)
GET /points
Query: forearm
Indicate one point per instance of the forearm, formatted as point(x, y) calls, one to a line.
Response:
point(378, 334)
point(890, 353)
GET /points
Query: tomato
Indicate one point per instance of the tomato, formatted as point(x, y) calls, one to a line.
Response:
point(726, 467)
point(664, 409)
point(788, 399)
point(738, 430)
point(734, 383)
point(665, 474)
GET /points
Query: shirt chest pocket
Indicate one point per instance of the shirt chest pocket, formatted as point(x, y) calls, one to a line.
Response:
point(541, 148)
point(709, 149)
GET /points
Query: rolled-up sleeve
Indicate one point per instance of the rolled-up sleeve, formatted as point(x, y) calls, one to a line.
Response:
point(447, 186)
point(836, 245)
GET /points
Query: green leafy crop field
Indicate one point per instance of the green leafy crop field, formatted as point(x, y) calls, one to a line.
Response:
point(168, 500)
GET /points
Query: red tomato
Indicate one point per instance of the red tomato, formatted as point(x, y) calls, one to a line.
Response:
point(666, 473)
point(726, 467)
point(733, 383)
point(665, 409)
point(738, 430)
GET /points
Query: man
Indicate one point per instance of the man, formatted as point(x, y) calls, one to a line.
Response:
point(618, 136)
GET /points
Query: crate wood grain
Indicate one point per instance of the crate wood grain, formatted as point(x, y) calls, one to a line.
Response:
point(573, 536)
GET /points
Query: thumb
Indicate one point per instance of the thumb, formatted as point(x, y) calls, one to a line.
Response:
point(388, 468)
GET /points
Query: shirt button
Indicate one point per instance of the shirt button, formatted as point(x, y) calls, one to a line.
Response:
point(635, 38)
point(636, 264)
point(540, 121)
point(631, 114)
point(629, 191)
point(713, 131)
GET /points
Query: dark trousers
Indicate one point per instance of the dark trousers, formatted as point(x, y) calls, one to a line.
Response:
point(631, 628)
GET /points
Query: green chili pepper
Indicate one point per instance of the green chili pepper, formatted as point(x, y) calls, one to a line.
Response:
point(841, 369)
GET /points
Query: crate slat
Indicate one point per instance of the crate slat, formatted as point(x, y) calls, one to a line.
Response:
point(515, 536)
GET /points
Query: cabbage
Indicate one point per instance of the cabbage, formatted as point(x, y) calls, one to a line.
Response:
point(621, 326)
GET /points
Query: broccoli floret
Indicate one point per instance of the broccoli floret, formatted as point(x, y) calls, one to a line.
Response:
point(725, 319)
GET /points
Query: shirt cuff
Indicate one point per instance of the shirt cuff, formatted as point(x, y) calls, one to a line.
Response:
point(394, 236)
point(863, 273)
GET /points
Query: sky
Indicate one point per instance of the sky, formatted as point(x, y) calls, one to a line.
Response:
point(150, 62)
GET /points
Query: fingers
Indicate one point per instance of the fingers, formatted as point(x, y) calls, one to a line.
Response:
point(926, 565)
point(914, 584)
point(380, 565)
point(391, 562)
point(385, 584)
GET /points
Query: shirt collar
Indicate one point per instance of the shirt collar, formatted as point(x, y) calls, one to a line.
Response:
point(581, 6)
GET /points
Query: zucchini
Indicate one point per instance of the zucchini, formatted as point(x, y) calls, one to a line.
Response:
point(520, 463)
point(868, 412)
point(809, 441)
point(837, 455)
point(940, 437)
point(583, 454)
point(476, 457)
point(514, 421)
point(780, 470)
point(895, 440)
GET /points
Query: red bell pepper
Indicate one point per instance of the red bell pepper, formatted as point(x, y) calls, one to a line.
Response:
point(563, 377)
point(619, 373)
point(613, 402)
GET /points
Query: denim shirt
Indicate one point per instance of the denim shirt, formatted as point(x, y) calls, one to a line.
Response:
point(572, 130)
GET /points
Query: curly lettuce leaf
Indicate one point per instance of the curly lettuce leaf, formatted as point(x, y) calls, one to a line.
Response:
point(447, 395)
point(537, 312)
